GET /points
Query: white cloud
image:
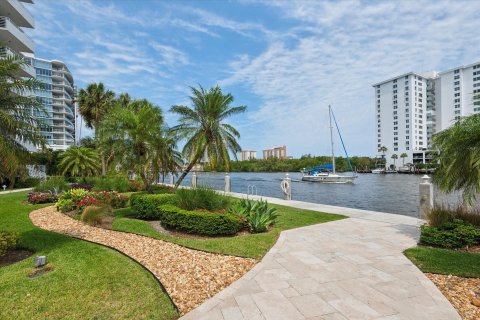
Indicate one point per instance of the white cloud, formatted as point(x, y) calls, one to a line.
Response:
point(169, 54)
point(341, 49)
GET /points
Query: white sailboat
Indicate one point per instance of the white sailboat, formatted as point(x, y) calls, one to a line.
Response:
point(327, 174)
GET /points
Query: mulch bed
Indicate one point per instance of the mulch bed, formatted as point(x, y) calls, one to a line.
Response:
point(189, 276)
point(13, 256)
point(460, 292)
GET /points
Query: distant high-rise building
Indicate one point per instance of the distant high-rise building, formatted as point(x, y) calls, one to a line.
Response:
point(13, 17)
point(275, 152)
point(57, 97)
point(411, 108)
point(248, 155)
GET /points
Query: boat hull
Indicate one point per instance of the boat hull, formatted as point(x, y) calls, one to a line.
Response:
point(329, 179)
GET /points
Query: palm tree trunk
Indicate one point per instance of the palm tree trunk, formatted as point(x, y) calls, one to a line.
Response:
point(190, 166)
point(185, 172)
point(104, 166)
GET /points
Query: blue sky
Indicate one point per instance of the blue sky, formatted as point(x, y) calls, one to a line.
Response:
point(285, 60)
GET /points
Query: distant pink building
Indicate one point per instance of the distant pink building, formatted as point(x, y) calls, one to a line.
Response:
point(275, 152)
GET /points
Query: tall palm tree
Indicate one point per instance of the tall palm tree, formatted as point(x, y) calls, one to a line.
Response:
point(79, 162)
point(394, 157)
point(403, 156)
point(94, 102)
point(205, 129)
point(383, 149)
point(124, 99)
point(458, 158)
point(136, 135)
point(19, 124)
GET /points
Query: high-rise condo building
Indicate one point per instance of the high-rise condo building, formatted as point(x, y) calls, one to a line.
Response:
point(411, 108)
point(13, 40)
point(248, 155)
point(57, 97)
point(275, 152)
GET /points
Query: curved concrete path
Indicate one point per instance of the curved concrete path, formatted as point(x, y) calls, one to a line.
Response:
point(348, 269)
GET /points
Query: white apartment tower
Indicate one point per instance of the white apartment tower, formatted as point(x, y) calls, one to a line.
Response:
point(13, 40)
point(57, 97)
point(410, 108)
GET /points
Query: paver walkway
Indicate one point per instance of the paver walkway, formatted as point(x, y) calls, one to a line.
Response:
point(347, 269)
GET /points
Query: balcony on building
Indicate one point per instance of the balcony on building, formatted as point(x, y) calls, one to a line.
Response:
point(27, 70)
point(18, 13)
point(14, 37)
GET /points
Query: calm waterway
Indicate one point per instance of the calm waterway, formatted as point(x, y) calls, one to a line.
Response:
point(393, 193)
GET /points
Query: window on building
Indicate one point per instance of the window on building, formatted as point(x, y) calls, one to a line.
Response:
point(457, 94)
point(457, 111)
point(457, 106)
point(457, 88)
point(456, 71)
point(394, 86)
point(456, 83)
point(456, 77)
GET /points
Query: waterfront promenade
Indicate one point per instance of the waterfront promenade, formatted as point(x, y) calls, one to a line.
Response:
point(347, 269)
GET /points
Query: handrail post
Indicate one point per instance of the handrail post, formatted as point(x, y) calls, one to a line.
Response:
point(228, 185)
point(426, 196)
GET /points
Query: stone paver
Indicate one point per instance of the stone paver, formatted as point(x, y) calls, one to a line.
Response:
point(347, 269)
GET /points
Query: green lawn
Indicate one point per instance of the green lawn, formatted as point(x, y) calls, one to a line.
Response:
point(444, 261)
point(251, 245)
point(88, 281)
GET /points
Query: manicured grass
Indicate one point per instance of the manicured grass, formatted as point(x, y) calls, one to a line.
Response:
point(250, 245)
point(444, 261)
point(88, 281)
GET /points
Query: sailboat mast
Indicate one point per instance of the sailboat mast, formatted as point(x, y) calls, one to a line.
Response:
point(331, 137)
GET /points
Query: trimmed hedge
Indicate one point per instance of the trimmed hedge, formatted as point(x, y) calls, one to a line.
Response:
point(145, 206)
point(202, 223)
point(451, 235)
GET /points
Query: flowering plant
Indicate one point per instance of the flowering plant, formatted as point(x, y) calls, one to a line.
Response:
point(40, 197)
point(86, 201)
point(85, 186)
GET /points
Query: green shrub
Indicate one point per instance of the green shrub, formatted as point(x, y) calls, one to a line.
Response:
point(453, 234)
point(55, 185)
point(202, 223)
point(440, 214)
point(8, 240)
point(66, 205)
point(258, 215)
point(135, 186)
point(203, 198)
point(28, 182)
point(119, 184)
point(94, 215)
point(160, 189)
point(145, 206)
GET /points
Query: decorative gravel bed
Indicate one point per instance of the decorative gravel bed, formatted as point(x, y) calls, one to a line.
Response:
point(459, 292)
point(189, 276)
